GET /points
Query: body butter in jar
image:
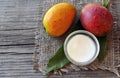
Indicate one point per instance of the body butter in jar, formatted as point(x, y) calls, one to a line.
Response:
point(81, 47)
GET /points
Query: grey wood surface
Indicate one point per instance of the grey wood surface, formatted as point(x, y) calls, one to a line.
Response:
point(18, 21)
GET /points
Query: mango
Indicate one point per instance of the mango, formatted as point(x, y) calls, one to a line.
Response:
point(58, 19)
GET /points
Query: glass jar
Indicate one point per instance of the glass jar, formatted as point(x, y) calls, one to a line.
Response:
point(72, 57)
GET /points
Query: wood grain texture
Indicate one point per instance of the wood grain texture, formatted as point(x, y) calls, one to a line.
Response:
point(18, 22)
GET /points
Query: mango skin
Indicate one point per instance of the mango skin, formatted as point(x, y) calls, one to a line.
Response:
point(96, 19)
point(59, 18)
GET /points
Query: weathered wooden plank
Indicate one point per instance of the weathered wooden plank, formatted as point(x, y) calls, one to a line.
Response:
point(15, 37)
point(18, 20)
point(17, 14)
point(18, 49)
point(82, 74)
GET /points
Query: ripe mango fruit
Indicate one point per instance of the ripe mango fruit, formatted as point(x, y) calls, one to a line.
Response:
point(58, 19)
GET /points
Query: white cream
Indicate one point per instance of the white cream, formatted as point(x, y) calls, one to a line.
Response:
point(81, 48)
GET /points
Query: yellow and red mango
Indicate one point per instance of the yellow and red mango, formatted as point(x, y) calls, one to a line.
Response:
point(59, 18)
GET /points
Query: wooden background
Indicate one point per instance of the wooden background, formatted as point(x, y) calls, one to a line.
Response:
point(18, 21)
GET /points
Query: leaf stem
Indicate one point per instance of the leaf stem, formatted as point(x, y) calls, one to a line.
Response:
point(108, 4)
point(105, 4)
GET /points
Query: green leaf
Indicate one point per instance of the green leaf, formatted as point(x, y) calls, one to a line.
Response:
point(103, 47)
point(57, 61)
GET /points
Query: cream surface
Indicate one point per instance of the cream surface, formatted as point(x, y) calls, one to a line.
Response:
point(81, 48)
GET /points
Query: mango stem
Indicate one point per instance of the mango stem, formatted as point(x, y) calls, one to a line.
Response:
point(105, 4)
